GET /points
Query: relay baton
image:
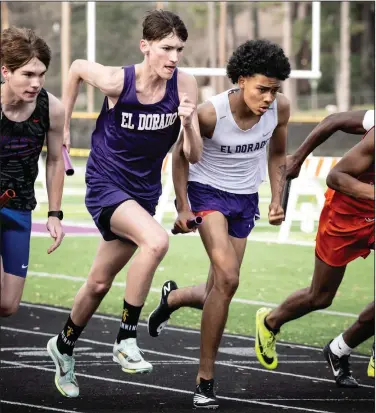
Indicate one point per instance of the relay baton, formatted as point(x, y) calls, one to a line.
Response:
point(191, 223)
point(6, 196)
point(67, 162)
point(285, 195)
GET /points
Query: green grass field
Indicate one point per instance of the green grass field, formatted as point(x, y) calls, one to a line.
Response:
point(270, 272)
point(75, 210)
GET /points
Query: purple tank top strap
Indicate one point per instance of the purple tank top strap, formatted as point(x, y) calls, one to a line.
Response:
point(129, 88)
point(129, 92)
point(172, 86)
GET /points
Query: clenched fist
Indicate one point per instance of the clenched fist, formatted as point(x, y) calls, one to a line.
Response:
point(180, 225)
point(276, 214)
point(67, 140)
point(186, 110)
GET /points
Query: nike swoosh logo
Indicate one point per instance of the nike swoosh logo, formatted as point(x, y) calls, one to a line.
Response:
point(335, 372)
point(62, 372)
point(266, 358)
point(202, 397)
point(24, 266)
point(128, 358)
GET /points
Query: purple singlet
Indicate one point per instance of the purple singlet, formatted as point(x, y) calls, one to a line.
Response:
point(128, 146)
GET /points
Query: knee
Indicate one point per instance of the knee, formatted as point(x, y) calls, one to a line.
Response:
point(227, 282)
point(98, 288)
point(226, 271)
point(320, 300)
point(8, 310)
point(157, 245)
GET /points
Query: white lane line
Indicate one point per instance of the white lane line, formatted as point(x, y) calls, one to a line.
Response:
point(111, 363)
point(195, 359)
point(158, 290)
point(36, 349)
point(318, 400)
point(152, 386)
point(101, 362)
point(251, 238)
point(178, 329)
point(22, 348)
point(70, 235)
point(35, 406)
point(86, 340)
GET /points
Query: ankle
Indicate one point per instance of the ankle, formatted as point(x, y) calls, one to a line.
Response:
point(204, 378)
point(66, 340)
point(339, 347)
point(172, 301)
point(271, 326)
point(129, 321)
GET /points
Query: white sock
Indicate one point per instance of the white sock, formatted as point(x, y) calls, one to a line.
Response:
point(339, 347)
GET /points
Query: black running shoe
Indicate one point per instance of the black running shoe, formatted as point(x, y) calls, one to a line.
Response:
point(340, 367)
point(158, 319)
point(204, 396)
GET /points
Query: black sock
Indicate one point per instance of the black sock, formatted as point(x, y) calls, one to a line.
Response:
point(129, 321)
point(66, 340)
point(273, 330)
point(205, 381)
point(206, 384)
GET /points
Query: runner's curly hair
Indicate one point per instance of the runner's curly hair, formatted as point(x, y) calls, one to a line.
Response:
point(258, 57)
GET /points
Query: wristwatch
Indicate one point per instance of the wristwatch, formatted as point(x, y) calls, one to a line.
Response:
point(57, 214)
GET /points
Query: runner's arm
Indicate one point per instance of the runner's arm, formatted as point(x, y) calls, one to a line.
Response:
point(180, 165)
point(107, 79)
point(343, 177)
point(277, 151)
point(349, 122)
point(192, 142)
point(55, 162)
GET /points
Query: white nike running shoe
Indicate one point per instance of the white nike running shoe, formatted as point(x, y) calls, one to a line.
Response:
point(65, 379)
point(128, 355)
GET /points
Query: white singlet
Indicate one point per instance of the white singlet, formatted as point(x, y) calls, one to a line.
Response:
point(234, 160)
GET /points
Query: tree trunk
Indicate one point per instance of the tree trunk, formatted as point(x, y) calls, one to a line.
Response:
point(289, 85)
point(366, 48)
point(253, 28)
point(212, 43)
point(233, 41)
point(65, 45)
point(222, 42)
point(4, 16)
